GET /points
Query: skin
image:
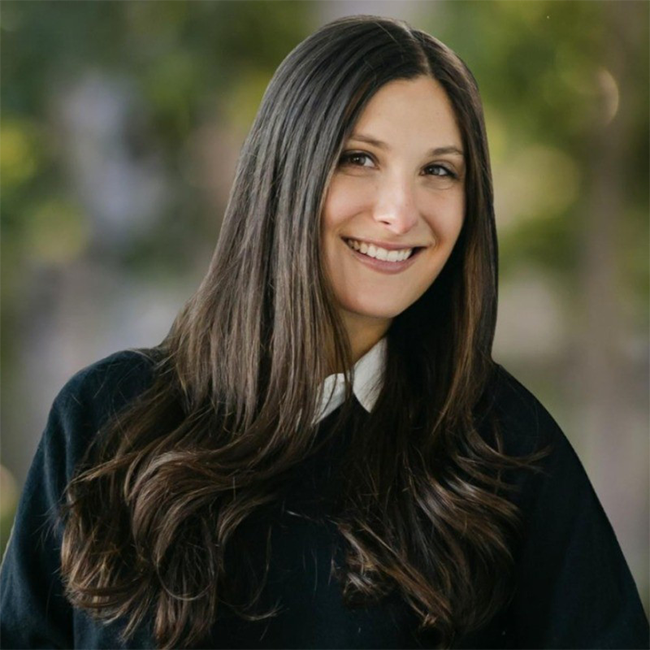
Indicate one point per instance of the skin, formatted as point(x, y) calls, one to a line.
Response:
point(399, 193)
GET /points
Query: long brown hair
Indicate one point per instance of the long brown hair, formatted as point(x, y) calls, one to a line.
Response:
point(236, 385)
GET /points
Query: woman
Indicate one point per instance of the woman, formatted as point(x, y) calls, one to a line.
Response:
point(322, 452)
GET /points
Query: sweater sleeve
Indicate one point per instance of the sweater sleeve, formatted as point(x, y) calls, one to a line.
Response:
point(34, 612)
point(574, 587)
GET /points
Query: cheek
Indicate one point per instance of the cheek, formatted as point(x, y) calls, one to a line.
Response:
point(343, 202)
point(447, 220)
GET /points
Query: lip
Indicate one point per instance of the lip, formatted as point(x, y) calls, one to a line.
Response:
point(382, 266)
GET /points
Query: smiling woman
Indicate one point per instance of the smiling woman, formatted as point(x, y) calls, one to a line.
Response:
point(322, 452)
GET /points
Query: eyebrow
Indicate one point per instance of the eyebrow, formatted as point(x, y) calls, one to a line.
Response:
point(437, 151)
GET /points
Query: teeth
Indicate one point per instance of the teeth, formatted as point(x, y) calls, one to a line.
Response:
point(379, 253)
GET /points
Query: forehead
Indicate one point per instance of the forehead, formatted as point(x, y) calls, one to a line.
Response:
point(415, 108)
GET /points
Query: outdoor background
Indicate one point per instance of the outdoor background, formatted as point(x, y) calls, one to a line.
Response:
point(121, 126)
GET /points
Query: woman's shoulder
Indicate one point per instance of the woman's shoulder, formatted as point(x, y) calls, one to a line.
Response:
point(109, 382)
point(525, 423)
point(89, 398)
point(528, 429)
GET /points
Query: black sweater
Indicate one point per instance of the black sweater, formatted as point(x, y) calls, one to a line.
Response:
point(573, 586)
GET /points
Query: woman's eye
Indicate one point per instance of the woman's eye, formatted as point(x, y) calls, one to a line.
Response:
point(355, 158)
point(440, 170)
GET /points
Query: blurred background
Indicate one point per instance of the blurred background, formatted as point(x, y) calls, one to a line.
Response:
point(121, 126)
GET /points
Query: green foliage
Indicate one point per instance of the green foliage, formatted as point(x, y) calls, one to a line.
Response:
point(186, 63)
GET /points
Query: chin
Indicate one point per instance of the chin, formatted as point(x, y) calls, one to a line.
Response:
point(380, 311)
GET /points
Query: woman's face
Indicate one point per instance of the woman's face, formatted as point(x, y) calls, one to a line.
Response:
point(399, 186)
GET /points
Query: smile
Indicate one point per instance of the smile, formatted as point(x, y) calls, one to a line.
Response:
point(381, 259)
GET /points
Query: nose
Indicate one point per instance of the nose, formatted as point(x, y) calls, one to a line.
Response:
point(396, 206)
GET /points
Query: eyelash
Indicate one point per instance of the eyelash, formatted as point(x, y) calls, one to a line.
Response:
point(348, 155)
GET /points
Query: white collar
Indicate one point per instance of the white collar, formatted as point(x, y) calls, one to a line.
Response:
point(366, 383)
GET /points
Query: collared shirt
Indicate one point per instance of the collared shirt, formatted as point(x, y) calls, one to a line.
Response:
point(367, 380)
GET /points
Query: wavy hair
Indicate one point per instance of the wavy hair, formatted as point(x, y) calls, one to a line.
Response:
point(422, 508)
